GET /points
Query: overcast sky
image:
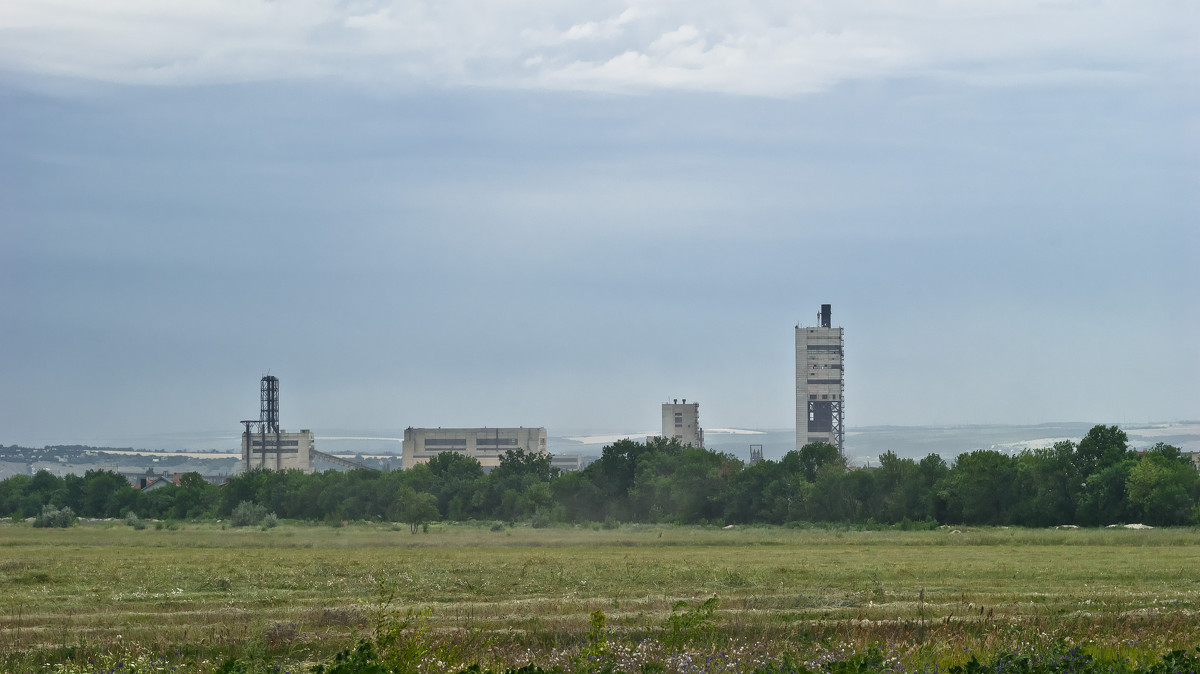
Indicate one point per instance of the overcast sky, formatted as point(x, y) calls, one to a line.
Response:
point(563, 214)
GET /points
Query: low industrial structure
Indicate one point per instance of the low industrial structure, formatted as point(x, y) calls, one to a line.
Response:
point(266, 446)
point(568, 463)
point(485, 445)
point(279, 451)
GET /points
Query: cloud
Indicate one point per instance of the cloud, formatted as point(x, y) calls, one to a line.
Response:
point(762, 48)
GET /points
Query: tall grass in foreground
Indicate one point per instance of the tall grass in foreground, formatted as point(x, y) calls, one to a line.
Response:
point(664, 598)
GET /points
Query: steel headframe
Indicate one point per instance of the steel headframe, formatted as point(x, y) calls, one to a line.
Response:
point(269, 407)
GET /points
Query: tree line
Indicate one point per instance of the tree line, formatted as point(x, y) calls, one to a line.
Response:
point(1095, 482)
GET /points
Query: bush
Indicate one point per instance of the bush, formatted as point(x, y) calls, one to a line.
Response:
point(53, 517)
point(270, 521)
point(247, 514)
point(134, 521)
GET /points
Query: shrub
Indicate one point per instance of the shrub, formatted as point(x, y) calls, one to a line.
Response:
point(247, 514)
point(270, 521)
point(691, 624)
point(53, 517)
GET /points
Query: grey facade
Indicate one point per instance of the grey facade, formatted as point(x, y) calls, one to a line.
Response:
point(681, 421)
point(820, 382)
point(486, 445)
point(278, 451)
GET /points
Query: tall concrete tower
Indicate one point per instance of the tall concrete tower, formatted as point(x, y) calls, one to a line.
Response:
point(681, 421)
point(820, 384)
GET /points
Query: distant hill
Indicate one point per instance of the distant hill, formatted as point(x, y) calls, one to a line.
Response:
point(863, 445)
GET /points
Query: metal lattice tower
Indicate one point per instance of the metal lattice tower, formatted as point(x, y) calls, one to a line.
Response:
point(269, 408)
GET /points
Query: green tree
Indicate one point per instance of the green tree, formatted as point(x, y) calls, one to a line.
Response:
point(415, 508)
point(830, 497)
point(243, 487)
point(813, 456)
point(698, 485)
point(1164, 487)
point(1102, 497)
point(760, 493)
point(614, 473)
point(42, 490)
point(1102, 447)
point(899, 485)
point(1047, 485)
point(980, 488)
point(12, 494)
point(454, 479)
point(195, 498)
point(578, 498)
point(1102, 465)
point(104, 494)
point(519, 486)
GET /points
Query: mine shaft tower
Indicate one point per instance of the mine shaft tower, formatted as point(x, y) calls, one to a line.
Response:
point(266, 446)
point(267, 425)
point(820, 383)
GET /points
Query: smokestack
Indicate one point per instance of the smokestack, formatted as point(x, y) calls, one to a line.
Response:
point(826, 315)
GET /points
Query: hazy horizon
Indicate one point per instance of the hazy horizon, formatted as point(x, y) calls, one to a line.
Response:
point(863, 444)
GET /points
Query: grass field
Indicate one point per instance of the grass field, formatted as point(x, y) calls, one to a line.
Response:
point(293, 595)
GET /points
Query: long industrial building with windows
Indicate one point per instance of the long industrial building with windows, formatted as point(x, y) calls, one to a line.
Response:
point(820, 384)
point(486, 445)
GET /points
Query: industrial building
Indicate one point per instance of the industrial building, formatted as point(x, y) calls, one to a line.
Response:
point(568, 463)
point(278, 451)
point(485, 445)
point(820, 383)
point(681, 421)
point(266, 446)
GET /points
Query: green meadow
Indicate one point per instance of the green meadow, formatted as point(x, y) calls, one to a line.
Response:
point(195, 596)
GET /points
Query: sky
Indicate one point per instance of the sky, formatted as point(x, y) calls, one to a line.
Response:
point(533, 213)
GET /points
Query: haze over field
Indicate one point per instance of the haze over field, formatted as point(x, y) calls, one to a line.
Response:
point(442, 214)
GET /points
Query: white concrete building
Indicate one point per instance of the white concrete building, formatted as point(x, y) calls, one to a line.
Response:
point(820, 384)
point(282, 451)
point(486, 445)
point(567, 462)
point(681, 421)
